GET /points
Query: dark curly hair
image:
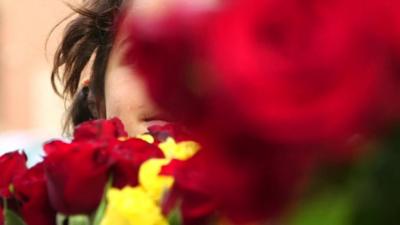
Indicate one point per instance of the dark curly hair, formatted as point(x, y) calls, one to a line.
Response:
point(87, 41)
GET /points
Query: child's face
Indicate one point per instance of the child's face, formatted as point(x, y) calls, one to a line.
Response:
point(126, 96)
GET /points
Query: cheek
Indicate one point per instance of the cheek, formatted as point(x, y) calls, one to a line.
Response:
point(126, 98)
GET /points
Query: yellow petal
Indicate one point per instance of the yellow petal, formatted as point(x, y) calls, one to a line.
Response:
point(146, 137)
point(132, 206)
point(149, 178)
point(182, 150)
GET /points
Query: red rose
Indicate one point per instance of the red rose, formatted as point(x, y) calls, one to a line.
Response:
point(192, 191)
point(128, 156)
point(303, 81)
point(234, 182)
point(298, 72)
point(303, 73)
point(76, 174)
point(31, 193)
point(245, 185)
point(268, 177)
point(100, 129)
point(386, 19)
point(12, 164)
point(167, 55)
point(299, 77)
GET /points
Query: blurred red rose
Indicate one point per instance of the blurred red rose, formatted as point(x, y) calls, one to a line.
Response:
point(247, 185)
point(12, 164)
point(128, 157)
point(100, 129)
point(31, 193)
point(76, 174)
point(166, 53)
point(247, 181)
point(271, 85)
point(304, 72)
point(300, 72)
point(268, 177)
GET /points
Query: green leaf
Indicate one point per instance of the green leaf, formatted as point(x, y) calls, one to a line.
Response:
point(99, 214)
point(72, 220)
point(329, 208)
point(369, 195)
point(11, 218)
point(175, 217)
point(330, 198)
point(79, 220)
point(378, 199)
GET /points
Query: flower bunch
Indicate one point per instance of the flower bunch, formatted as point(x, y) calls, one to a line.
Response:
point(100, 177)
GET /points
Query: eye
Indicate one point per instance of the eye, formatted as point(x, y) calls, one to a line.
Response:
point(156, 123)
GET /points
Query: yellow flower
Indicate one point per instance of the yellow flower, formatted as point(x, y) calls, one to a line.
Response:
point(182, 150)
point(132, 206)
point(146, 137)
point(149, 178)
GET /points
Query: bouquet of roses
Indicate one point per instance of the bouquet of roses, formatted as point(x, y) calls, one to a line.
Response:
point(101, 177)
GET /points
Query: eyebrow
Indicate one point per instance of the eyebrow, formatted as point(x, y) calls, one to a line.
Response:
point(121, 47)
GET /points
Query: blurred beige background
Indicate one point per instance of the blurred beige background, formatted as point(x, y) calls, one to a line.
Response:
point(27, 102)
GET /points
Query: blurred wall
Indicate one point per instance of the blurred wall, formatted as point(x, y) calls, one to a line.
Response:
point(27, 101)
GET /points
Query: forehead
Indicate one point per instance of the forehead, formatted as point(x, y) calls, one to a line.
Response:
point(134, 10)
point(154, 8)
point(150, 10)
point(144, 8)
